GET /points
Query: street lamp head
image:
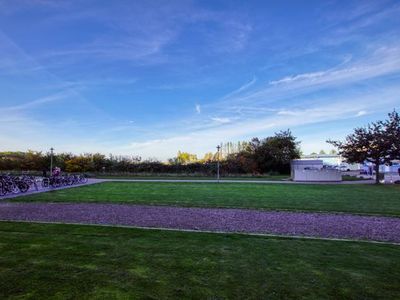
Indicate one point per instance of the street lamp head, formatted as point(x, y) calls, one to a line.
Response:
point(218, 147)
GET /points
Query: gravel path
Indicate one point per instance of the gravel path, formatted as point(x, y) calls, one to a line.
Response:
point(340, 226)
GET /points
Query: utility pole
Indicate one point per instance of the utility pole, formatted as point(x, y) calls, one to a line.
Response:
point(51, 160)
point(218, 148)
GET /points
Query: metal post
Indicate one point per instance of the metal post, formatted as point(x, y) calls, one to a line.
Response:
point(218, 148)
point(51, 160)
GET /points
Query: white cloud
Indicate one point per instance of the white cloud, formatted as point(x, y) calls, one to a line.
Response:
point(361, 113)
point(198, 108)
point(285, 112)
point(221, 120)
point(307, 76)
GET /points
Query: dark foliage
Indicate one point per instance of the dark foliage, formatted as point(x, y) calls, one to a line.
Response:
point(272, 154)
point(378, 143)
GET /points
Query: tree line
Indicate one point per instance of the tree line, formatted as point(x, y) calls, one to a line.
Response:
point(258, 156)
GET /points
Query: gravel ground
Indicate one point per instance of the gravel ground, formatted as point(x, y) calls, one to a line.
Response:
point(341, 226)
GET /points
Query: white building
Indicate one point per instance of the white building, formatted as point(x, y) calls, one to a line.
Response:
point(313, 170)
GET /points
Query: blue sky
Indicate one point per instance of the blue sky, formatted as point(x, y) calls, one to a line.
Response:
point(150, 77)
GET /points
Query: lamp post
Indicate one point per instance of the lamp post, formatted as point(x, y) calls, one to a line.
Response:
point(51, 160)
point(218, 148)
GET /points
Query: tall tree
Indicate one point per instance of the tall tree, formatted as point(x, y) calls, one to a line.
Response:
point(276, 152)
point(392, 126)
point(378, 143)
point(272, 153)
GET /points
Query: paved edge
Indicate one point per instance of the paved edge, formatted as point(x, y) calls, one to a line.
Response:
point(269, 235)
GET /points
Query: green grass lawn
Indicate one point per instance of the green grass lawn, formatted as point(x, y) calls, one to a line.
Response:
point(41, 261)
point(362, 199)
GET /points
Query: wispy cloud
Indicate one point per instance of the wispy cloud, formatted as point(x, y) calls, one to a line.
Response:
point(124, 49)
point(37, 102)
point(221, 120)
point(372, 15)
point(306, 76)
point(198, 108)
point(361, 113)
point(90, 83)
point(204, 140)
point(240, 89)
point(383, 61)
point(9, 7)
point(235, 38)
point(359, 11)
point(141, 34)
point(285, 112)
point(327, 109)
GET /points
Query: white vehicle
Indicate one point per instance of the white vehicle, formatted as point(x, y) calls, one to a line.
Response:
point(345, 167)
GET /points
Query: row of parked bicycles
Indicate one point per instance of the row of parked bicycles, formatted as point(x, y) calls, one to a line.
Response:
point(63, 180)
point(11, 184)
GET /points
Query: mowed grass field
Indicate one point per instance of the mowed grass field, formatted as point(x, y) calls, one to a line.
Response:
point(193, 177)
point(41, 261)
point(359, 199)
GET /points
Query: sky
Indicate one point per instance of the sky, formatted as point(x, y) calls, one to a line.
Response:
point(152, 77)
